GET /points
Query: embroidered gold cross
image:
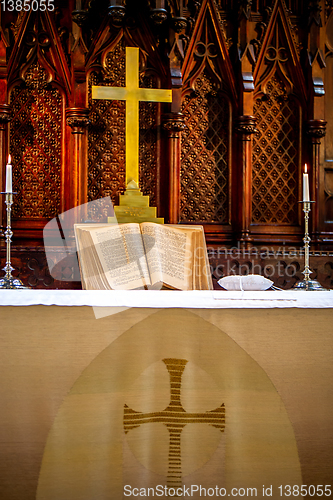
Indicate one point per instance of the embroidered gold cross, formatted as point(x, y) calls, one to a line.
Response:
point(175, 418)
point(132, 94)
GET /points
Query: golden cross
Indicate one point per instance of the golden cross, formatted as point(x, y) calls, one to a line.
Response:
point(175, 418)
point(132, 94)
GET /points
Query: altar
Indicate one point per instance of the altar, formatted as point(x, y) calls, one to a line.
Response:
point(147, 393)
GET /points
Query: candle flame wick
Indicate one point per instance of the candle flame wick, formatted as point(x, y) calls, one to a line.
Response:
point(305, 169)
point(9, 159)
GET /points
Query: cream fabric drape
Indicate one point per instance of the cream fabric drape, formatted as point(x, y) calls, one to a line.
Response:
point(67, 376)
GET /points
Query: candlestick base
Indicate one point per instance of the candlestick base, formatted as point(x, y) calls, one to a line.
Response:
point(309, 285)
point(11, 283)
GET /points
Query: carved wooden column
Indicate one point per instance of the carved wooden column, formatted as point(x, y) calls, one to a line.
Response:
point(316, 129)
point(246, 126)
point(174, 124)
point(5, 117)
point(78, 120)
point(77, 115)
point(316, 126)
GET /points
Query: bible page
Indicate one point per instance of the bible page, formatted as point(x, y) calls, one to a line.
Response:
point(92, 274)
point(201, 272)
point(168, 252)
point(121, 253)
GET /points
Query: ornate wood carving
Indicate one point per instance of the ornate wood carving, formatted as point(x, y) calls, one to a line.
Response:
point(328, 8)
point(37, 82)
point(31, 267)
point(284, 268)
point(205, 156)
point(35, 144)
point(174, 124)
point(275, 157)
point(280, 54)
point(279, 106)
point(326, 185)
point(117, 14)
point(77, 119)
point(246, 127)
point(208, 91)
point(5, 117)
point(247, 78)
point(316, 130)
point(281, 266)
point(106, 132)
point(80, 17)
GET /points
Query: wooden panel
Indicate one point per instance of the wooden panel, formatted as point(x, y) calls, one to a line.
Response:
point(205, 152)
point(30, 266)
point(48, 62)
point(282, 266)
point(275, 157)
point(106, 132)
point(329, 106)
point(35, 145)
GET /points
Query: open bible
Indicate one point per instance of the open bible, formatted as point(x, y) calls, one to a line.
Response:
point(142, 256)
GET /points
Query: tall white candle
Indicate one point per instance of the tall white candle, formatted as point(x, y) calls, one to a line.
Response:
point(306, 189)
point(9, 182)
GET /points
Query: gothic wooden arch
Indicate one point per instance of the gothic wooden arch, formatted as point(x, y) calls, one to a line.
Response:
point(38, 87)
point(209, 104)
point(280, 109)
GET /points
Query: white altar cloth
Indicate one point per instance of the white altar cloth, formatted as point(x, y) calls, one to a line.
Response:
point(267, 356)
point(216, 299)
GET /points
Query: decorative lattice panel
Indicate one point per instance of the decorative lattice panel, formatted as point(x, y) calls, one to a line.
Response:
point(275, 158)
point(106, 150)
point(35, 146)
point(106, 164)
point(204, 165)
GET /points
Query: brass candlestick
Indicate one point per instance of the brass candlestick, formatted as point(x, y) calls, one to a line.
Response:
point(307, 283)
point(9, 281)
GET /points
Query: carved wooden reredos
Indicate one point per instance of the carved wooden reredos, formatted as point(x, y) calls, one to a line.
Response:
point(252, 88)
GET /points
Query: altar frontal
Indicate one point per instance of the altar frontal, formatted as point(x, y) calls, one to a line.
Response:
point(151, 401)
